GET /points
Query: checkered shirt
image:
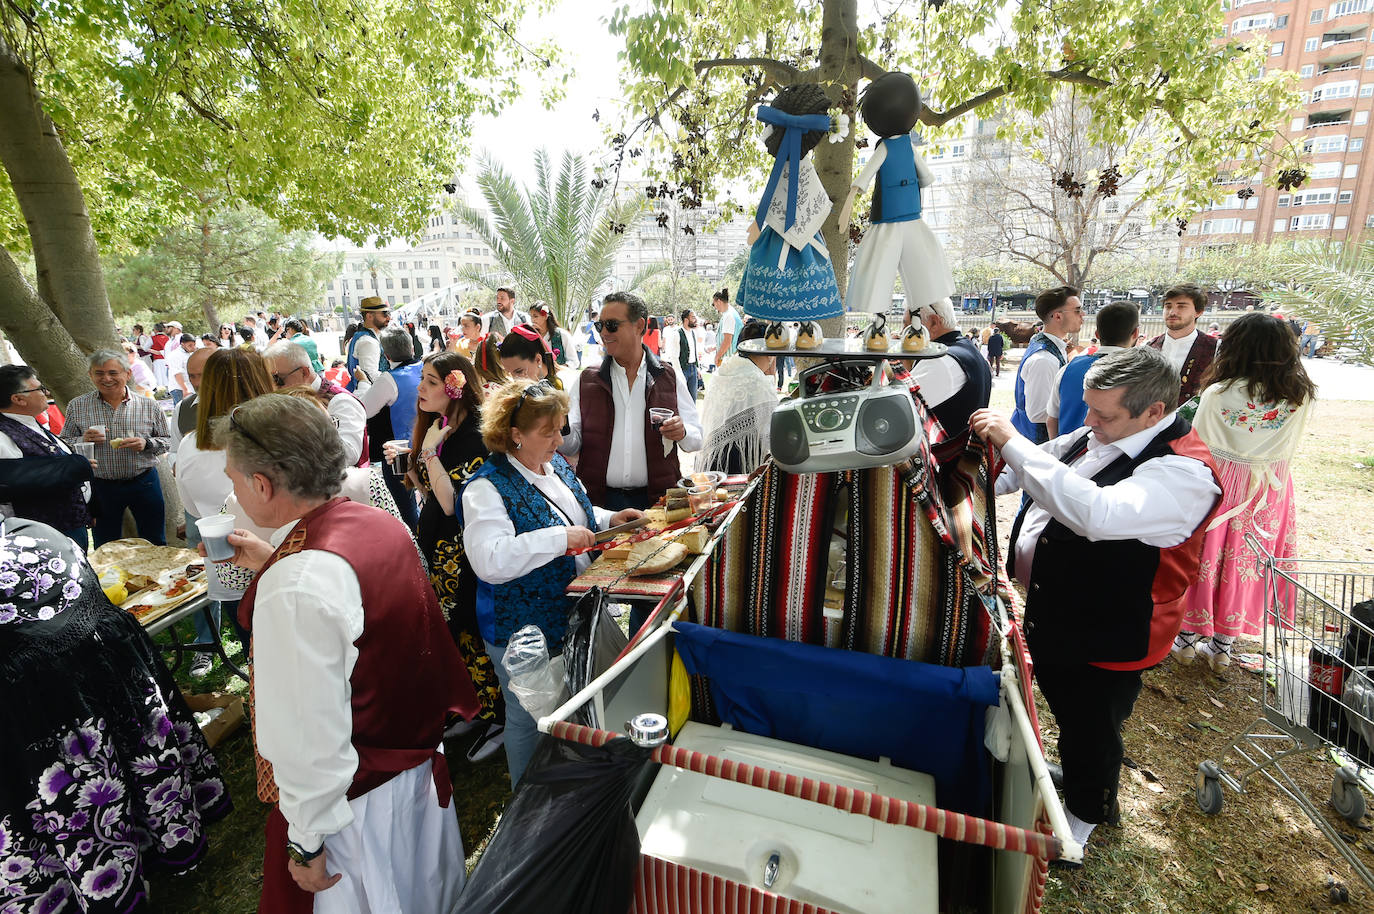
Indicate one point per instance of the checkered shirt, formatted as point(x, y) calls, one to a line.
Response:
point(136, 417)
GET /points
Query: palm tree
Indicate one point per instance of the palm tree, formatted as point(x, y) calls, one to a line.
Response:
point(376, 264)
point(555, 240)
point(1332, 284)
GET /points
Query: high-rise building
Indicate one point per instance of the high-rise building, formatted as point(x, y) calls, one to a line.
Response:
point(1328, 46)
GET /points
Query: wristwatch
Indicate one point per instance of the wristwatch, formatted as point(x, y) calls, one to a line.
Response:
point(299, 855)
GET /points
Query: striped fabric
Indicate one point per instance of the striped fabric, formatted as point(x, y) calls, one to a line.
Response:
point(664, 887)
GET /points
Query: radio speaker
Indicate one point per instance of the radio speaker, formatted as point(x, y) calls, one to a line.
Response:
point(787, 438)
point(885, 426)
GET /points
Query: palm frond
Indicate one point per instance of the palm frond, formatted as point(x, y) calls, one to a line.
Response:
point(1333, 285)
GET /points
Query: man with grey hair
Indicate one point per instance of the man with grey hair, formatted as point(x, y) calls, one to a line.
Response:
point(960, 381)
point(355, 673)
point(390, 405)
point(290, 366)
point(1106, 547)
point(129, 432)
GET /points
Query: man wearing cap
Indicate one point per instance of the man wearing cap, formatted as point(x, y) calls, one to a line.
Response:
point(364, 349)
point(178, 383)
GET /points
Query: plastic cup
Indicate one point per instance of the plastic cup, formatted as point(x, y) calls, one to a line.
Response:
point(214, 533)
point(99, 429)
point(85, 449)
point(659, 415)
point(701, 498)
point(400, 447)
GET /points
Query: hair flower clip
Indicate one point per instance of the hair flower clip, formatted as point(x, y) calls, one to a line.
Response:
point(839, 125)
point(453, 384)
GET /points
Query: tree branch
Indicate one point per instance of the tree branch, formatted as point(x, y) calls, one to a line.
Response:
point(781, 74)
point(869, 70)
point(1077, 76)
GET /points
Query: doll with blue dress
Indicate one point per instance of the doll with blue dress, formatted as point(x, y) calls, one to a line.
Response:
point(899, 239)
point(789, 276)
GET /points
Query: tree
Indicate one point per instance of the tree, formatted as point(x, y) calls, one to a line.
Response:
point(1332, 284)
point(671, 295)
point(557, 238)
point(1042, 191)
point(235, 261)
point(698, 69)
point(120, 116)
point(376, 265)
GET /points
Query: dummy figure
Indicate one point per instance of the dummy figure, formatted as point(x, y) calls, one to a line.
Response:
point(789, 276)
point(898, 238)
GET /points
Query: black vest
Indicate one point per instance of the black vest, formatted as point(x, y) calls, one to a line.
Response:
point(57, 500)
point(954, 412)
point(1092, 601)
point(186, 415)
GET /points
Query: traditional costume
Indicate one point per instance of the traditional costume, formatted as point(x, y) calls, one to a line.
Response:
point(359, 764)
point(736, 417)
point(105, 772)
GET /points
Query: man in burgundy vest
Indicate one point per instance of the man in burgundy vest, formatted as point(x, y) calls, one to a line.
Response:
point(355, 676)
point(1190, 351)
point(625, 459)
point(1106, 546)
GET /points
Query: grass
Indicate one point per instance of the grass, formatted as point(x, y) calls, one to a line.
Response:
point(1259, 855)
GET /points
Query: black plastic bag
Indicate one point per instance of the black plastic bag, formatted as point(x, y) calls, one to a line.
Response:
point(567, 843)
point(590, 646)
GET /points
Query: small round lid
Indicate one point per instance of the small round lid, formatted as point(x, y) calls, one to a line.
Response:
point(648, 730)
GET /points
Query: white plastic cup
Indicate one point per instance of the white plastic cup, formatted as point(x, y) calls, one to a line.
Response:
point(214, 533)
point(85, 449)
point(99, 429)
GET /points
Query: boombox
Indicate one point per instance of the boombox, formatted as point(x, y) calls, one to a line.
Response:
point(850, 429)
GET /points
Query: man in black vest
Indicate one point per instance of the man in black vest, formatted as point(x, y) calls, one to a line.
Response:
point(40, 478)
point(958, 382)
point(1106, 547)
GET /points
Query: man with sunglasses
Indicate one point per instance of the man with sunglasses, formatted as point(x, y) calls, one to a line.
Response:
point(40, 478)
point(623, 460)
point(1061, 310)
point(290, 366)
point(364, 348)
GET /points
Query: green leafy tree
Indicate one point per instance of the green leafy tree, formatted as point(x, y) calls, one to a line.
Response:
point(698, 69)
point(555, 239)
point(671, 295)
point(376, 265)
point(120, 116)
point(222, 264)
point(1332, 284)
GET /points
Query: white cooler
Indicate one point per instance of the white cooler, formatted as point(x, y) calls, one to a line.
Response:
point(840, 861)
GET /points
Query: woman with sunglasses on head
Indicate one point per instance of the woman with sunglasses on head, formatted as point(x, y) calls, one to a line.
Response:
point(231, 377)
point(526, 356)
point(521, 513)
point(555, 336)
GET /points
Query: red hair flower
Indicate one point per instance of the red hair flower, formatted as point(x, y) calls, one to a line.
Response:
point(453, 384)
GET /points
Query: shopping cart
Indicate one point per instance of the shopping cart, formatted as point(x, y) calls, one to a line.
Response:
point(1316, 689)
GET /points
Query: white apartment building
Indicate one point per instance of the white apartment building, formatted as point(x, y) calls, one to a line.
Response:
point(705, 252)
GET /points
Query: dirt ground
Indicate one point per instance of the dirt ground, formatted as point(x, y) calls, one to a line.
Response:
point(1260, 854)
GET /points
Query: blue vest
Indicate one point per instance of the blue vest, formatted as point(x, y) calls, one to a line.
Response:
point(407, 379)
point(538, 597)
point(351, 360)
point(897, 195)
point(1035, 431)
point(1072, 409)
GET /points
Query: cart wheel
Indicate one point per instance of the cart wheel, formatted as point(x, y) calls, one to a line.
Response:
point(1346, 797)
point(1209, 793)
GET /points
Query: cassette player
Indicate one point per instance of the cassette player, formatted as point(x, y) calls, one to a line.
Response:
point(826, 430)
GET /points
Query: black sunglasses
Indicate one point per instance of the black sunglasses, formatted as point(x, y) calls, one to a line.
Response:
point(238, 426)
point(539, 386)
point(611, 323)
point(34, 390)
point(280, 379)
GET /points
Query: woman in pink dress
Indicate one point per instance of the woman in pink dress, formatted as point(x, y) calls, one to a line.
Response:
point(1255, 403)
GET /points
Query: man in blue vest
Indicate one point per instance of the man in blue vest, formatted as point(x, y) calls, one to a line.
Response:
point(390, 405)
point(1061, 311)
point(1118, 327)
point(958, 382)
point(364, 350)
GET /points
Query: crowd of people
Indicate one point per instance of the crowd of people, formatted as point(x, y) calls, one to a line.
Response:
point(460, 471)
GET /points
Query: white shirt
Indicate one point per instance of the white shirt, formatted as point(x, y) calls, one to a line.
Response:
point(516, 317)
point(202, 481)
point(1037, 375)
point(1160, 504)
point(368, 351)
point(1176, 350)
point(1053, 408)
point(351, 421)
point(377, 394)
point(938, 379)
point(496, 552)
point(10, 451)
point(307, 615)
point(260, 341)
point(627, 466)
point(176, 358)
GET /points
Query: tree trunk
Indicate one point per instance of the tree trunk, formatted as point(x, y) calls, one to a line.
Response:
point(839, 73)
point(43, 343)
point(69, 275)
point(202, 267)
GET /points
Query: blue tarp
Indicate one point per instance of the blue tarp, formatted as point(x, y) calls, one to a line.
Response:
point(923, 717)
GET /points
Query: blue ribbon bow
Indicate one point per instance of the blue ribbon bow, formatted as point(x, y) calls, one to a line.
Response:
point(793, 126)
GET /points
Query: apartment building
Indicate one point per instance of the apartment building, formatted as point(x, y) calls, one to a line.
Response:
point(1328, 46)
point(657, 236)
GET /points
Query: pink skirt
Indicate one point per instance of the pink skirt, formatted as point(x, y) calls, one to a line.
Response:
point(1229, 596)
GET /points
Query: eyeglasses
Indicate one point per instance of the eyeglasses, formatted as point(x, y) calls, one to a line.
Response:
point(280, 379)
point(34, 390)
point(609, 325)
point(238, 426)
point(539, 386)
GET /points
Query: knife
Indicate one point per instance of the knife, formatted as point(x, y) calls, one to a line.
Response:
point(605, 536)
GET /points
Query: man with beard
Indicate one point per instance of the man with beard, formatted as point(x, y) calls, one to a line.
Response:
point(1189, 351)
